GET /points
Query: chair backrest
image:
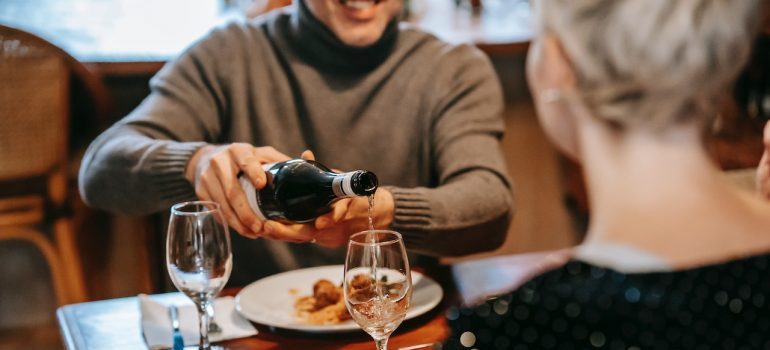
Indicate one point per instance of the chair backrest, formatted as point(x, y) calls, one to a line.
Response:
point(49, 103)
point(34, 108)
point(51, 106)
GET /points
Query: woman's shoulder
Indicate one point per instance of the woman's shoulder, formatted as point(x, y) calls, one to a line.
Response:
point(620, 257)
point(579, 283)
point(588, 306)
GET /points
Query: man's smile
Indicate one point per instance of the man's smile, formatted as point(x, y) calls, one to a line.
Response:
point(360, 10)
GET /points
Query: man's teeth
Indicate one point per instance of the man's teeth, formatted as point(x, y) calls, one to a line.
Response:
point(359, 5)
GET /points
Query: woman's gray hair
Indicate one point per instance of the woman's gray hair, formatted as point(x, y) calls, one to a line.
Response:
point(652, 62)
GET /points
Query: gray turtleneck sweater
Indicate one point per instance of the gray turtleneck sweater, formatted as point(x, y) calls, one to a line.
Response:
point(425, 116)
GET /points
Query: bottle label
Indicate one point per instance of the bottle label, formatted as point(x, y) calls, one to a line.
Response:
point(342, 185)
point(252, 195)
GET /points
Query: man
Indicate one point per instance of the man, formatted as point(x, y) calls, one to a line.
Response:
point(339, 78)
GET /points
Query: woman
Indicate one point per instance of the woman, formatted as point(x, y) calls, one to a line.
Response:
point(674, 257)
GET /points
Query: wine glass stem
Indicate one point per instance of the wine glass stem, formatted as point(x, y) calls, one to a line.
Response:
point(213, 327)
point(382, 344)
point(203, 324)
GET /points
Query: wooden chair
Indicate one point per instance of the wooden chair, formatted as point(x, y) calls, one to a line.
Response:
point(35, 182)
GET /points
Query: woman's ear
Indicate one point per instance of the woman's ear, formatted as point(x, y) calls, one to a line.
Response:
point(557, 72)
point(552, 82)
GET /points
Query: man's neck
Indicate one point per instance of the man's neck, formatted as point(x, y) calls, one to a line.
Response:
point(320, 47)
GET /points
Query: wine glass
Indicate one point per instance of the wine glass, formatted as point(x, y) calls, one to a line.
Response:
point(377, 283)
point(198, 255)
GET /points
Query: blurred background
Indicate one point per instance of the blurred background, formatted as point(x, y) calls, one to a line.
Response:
point(87, 63)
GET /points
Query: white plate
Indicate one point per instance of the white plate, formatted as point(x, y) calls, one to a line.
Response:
point(268, 301)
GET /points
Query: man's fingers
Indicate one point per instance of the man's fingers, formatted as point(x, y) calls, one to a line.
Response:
point(251, 168)
point(242, 209)
point(296, 233)
point(250, 160)
point(269, 154)
point(228, 213)
point(307, 155)
point(246, 159)
point(339, 209)
point(203, 195)
point(232, 219)
point(358, 207)
point(225, 174)
point(323, 221)
point(333, 238)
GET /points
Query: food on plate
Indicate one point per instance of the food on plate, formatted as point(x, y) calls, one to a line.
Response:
point(327, 304)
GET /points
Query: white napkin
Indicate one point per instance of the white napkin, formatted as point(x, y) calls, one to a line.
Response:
point(158, 333)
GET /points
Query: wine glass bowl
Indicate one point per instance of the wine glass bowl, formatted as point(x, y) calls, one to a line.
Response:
point(198, 255)
point(377, 283)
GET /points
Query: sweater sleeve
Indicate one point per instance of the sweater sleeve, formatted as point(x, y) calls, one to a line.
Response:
point(471, 207)
point(137, 166)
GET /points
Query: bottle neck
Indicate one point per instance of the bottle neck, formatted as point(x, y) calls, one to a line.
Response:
point(342, 185)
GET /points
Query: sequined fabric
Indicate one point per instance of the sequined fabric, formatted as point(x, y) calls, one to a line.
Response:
point(583, 306)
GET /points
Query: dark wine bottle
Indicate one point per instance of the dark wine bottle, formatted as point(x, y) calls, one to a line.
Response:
point(298, 191)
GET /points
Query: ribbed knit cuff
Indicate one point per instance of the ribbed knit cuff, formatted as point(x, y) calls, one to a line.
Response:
point(412, 216)
point(168, 166)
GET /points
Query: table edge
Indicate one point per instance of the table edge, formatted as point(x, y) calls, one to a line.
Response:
point(69, 341)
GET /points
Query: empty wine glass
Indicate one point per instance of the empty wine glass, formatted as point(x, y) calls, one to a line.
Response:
point(198, 256)
point(377, 283)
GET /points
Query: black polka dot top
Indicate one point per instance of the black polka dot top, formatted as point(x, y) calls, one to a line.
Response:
point(582, 306)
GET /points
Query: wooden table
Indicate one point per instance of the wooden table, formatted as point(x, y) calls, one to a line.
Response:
point(115, 325)
point(136, 37)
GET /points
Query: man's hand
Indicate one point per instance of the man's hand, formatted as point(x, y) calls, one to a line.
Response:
point(348, 216)
point(351, 215)
point(213, 171)
point(763, 170)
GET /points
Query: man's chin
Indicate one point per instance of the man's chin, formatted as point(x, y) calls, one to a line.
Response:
point(359, 40)
point(361, 23)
